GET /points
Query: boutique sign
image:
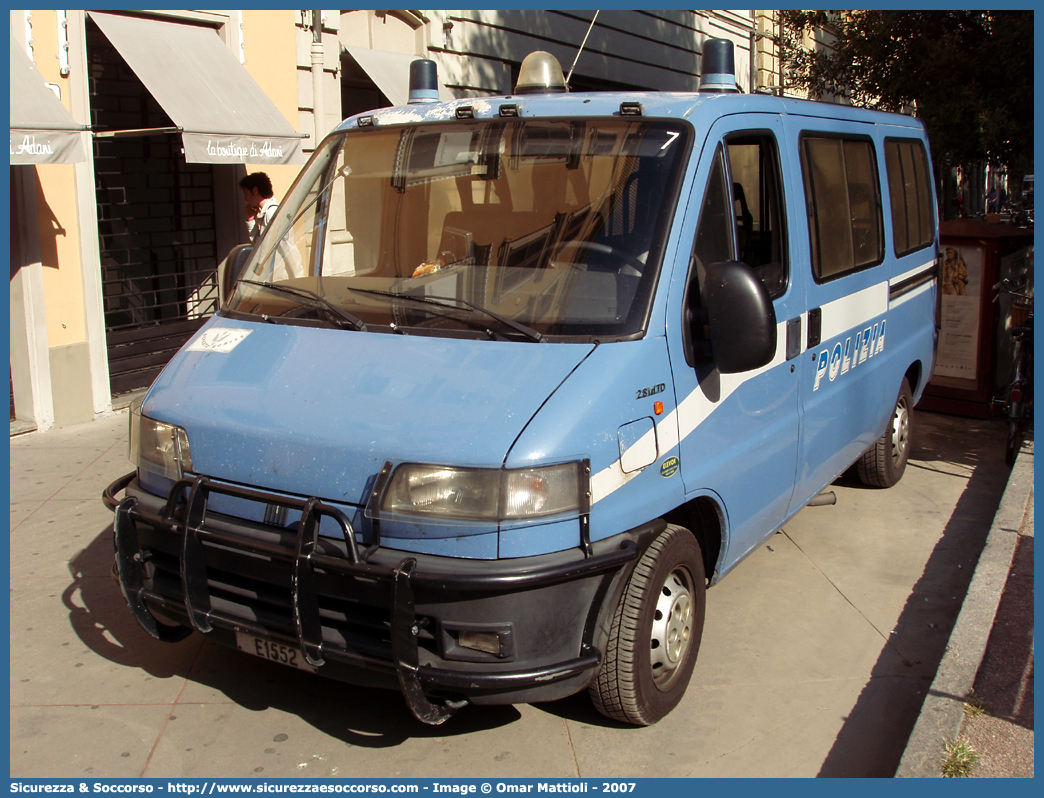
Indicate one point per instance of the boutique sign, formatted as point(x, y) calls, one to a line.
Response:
point(45, 146)
point(30, 147)
point(42, 130)
point(231, 151)
point(207, 148)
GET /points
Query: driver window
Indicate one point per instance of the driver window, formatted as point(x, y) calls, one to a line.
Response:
point(741, 217)
point(715, 241)
point(757, 208)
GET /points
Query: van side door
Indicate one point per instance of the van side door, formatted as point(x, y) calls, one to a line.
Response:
point(847, 392)
point(738, 433)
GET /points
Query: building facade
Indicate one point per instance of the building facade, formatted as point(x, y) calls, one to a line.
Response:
point(131, 130)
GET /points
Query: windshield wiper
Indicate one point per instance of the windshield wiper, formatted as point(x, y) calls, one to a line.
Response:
point(443, 302)
point(342, 314)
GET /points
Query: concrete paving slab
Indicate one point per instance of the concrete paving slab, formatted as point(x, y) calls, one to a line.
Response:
point(304, 737)
point(785, 742)
point(58, 542)
point(41, 481)
point(728, 731)
point(875, 728)
point(69, 463)
point(107, 468)
point(891, 562)
point(22, 510)
point(81, 647)
point(103, 430)
point(374, 727)
point(110, 741)
point(759, 630)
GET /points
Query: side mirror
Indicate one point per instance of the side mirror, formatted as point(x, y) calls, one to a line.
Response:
point(230, 270)
point(740, 317)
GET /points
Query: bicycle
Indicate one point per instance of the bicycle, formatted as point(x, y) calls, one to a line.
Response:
point(1018, 399)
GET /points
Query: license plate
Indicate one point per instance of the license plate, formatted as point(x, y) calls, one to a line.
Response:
point(276, 652)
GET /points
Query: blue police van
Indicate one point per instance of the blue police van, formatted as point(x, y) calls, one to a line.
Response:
point(509, 382)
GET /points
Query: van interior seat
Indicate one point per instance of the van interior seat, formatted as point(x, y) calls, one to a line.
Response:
point(493, 226)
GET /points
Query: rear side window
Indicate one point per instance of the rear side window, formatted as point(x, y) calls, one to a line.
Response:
point(909, 190)
point(843, 201)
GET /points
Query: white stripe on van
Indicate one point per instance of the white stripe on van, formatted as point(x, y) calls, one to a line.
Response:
point(840, 316)
point(921, 289)
point(854, 310)
point(690, 413)
point(926, 271)
point(912, 273)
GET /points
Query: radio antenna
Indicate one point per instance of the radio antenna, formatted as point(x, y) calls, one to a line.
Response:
point(589, 27)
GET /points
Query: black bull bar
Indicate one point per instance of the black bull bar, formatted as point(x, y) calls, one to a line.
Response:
point(188, 518)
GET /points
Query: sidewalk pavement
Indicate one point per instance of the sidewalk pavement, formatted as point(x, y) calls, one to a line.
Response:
point(983, 691)
point(817, 653)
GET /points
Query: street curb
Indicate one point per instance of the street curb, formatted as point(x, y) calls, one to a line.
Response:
point(943, 708)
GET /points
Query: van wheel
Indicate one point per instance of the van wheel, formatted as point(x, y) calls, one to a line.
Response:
point(883, 464)
point(656, 632)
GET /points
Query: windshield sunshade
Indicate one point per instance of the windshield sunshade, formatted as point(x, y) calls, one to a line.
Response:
point(517, 229)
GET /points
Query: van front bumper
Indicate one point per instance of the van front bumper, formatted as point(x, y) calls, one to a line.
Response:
point(377, 617)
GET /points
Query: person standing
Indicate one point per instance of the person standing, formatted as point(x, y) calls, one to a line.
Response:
point(260, 203)
point(991, 201)
point(284, 260)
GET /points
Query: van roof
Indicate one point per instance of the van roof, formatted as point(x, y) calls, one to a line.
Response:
point(699, 108)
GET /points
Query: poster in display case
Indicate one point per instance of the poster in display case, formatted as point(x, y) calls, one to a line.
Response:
point(964, 380)
point(956, 360)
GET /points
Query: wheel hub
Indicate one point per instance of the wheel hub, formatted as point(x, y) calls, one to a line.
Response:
point(672, 627)
point(900, 431)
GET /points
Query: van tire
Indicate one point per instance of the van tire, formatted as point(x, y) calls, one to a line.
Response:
point(662, 610)
point(883, 464)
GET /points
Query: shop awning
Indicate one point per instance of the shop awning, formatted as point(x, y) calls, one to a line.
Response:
point(390, 72)
point(42, 130)
point(223, 115)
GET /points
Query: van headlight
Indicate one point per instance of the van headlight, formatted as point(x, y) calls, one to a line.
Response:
point(451, 493)
point(158, 447)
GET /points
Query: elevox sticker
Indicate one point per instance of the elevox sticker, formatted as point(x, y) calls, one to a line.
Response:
point(218, 340)
point(669, 467)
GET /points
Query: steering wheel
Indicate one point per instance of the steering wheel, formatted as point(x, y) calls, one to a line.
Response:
point(630, 265)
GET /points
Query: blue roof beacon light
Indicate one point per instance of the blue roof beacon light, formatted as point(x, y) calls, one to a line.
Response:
point(424, 82)
point(718, 67)
point(540, 73)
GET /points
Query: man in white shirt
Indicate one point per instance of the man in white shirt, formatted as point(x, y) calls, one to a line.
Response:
point(260, 203)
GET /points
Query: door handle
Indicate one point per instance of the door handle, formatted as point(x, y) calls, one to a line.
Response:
point(815, 326)
point(793, 338)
